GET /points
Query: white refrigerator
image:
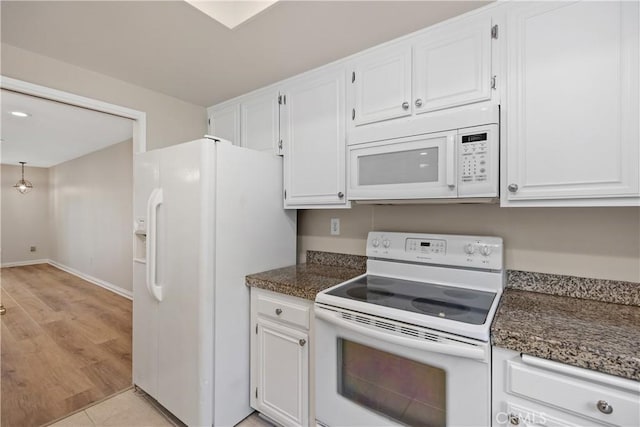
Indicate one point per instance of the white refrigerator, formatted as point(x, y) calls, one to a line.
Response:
point(207, 213)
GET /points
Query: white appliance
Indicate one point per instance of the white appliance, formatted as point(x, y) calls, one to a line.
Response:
point(207, 214)
point(407, 343)
point(447, 155)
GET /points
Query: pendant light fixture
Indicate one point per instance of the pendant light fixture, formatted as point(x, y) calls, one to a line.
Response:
point(23, 186)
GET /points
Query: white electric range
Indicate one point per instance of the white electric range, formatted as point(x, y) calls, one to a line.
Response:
point(407, 343)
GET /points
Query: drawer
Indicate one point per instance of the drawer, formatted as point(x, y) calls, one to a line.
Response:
point(285, 311)
point(574, 394)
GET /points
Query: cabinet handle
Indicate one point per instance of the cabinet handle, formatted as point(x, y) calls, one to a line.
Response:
point(512, 188)
point(418, 102)
point(604, 407)
point(278, 311)
point(405, 105)
point(302, 342)
point(340, 195)
point(514, 419)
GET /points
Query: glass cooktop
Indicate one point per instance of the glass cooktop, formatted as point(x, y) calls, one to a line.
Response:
point(459, 304)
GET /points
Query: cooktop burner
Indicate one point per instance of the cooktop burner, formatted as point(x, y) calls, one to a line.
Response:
point(364, 293)
point(459, 304)
point(439, 308)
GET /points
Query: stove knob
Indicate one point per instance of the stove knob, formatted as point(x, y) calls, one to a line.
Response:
point(469, 248)
point(375, 243)
point(485, 250)
point(386, 243)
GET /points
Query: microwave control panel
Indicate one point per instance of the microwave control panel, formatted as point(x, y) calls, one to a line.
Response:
point(478, 162)
point(474, 157)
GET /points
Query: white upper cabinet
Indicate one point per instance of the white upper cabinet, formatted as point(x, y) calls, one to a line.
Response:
point(447, 66)
point(259, 119)
point(382, 85)
point(452, 65)
point(572, 110)
point(224, 122)
point(313, 133)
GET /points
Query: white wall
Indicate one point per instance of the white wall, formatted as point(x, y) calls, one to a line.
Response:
point(25, 217)
point(589, 242)
point(91, 214)
point(169, 120)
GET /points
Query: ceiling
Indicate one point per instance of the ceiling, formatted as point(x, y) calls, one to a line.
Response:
point(173, 48)
point(55, 132)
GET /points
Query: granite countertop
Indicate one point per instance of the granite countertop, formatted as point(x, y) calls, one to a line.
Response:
point(322, 270)
point(577, 330)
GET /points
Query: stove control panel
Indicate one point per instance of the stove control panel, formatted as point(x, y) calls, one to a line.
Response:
point(482, 252)
point(426, 246)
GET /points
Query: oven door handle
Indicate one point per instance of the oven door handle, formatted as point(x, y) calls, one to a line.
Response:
point(468, 351)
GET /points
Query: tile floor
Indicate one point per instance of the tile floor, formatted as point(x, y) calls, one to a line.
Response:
point(132, 409)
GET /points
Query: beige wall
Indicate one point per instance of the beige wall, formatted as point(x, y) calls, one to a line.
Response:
point(589, 242)
point(24, 216)
point(169, 120)
point(91, 214)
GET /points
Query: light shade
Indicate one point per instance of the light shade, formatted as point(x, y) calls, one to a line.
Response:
point(23, 186)
point(231, 13)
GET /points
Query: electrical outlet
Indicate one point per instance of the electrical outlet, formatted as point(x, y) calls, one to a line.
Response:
point(335, 226)
point(32, 249)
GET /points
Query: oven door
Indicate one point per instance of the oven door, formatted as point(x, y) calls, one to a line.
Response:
point(416, 167)
point(377, 372)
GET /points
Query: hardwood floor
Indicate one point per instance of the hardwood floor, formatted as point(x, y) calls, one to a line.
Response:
point(65, 343)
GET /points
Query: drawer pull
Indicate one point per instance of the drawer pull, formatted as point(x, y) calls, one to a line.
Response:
point(604, 407)
point(278, 311)
point(302, 342)
point(514, 419)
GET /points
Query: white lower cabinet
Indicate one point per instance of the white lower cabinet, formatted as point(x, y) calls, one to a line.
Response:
point(280, 357)
point(529, 391)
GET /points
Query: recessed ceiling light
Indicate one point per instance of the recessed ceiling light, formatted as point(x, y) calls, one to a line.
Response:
point(231, 13)
point(20, 114)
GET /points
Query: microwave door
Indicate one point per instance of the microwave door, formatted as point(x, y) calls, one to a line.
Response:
point(416, 167)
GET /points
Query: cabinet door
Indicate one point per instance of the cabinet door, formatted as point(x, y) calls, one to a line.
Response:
point(225, 123)
point(452, 65)
point(381, 85)
point(572, 101)
point(313, 133)
point(283, 373)
point(260, 127)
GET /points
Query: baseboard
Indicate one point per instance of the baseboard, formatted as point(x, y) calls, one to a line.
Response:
point(102, 283)
point(23, 263)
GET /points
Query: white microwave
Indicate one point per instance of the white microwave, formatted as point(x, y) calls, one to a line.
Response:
point(451, 156)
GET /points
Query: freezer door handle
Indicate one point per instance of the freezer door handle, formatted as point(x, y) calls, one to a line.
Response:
point(155, 200)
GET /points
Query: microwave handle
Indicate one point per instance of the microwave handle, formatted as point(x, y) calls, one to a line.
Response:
point(451, 161)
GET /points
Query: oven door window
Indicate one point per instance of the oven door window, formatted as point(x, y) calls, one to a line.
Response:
point(402, 389)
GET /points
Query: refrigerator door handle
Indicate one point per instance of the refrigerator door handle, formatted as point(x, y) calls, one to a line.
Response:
point(155, 200)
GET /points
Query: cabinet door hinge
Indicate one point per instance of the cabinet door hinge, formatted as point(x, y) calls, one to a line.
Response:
point(256, 392)
point(285, 194)
point(353, 114)
point(280, 99)
point(209, 121)
point(353, 77)
point(256, 329)
point(280, 145)
point(493, 82)
point(494, 32)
